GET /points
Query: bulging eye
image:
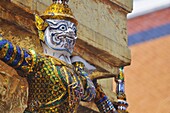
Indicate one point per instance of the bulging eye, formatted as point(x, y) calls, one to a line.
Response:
point(62, 27)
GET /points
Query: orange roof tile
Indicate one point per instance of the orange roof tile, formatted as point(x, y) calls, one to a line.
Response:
point(148, 21)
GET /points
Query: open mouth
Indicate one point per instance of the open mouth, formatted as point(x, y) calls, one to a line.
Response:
point(66, 36)
point(63, 39)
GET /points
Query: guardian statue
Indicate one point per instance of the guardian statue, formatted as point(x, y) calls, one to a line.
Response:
point(56, 83)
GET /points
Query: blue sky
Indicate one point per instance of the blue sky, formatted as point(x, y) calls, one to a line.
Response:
point(141, 7)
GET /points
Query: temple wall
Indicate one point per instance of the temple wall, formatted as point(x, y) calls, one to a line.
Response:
point(102, 37)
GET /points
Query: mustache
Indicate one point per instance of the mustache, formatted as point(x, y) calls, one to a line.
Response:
point(68, 35)
point(63, 39)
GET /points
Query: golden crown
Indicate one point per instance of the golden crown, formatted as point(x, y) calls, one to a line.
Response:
point(59, 10)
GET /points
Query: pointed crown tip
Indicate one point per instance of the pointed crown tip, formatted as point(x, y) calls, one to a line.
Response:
point(61, 1)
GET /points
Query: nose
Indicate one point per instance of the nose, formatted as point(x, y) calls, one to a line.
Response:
point(71, 32)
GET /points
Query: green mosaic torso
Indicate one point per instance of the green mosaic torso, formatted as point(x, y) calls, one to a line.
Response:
point(53, 87)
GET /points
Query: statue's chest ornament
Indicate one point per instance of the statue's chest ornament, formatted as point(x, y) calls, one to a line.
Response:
point(75, 88)
point(74, 85)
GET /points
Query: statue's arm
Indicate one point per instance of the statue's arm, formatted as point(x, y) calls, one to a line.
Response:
point(16, 57)
point(89, 88)
point(93, 91)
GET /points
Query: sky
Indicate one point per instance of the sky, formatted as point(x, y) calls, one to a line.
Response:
point(141, 7)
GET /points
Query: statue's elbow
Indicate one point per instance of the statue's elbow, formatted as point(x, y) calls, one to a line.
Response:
point(89, 95)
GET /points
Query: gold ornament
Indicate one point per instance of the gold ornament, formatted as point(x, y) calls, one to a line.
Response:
point(41, 25)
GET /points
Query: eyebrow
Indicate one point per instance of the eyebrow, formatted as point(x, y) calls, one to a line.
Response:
point(52, 28)
point(69, 24)
point(49, 22)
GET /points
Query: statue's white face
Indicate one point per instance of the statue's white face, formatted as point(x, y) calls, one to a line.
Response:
point(61, 35)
